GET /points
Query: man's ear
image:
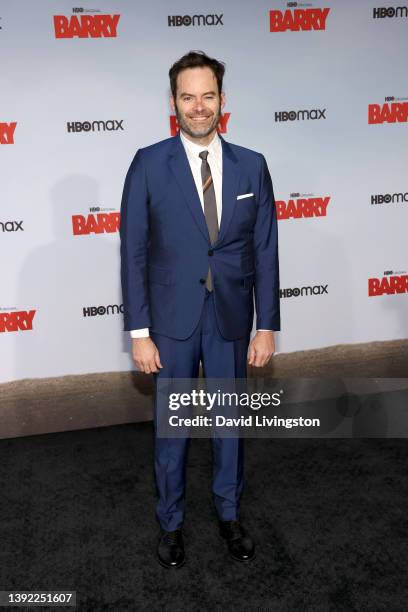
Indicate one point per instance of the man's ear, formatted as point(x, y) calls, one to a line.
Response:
point(172, 105)
point(223, 99)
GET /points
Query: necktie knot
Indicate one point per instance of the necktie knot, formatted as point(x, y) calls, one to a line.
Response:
point(203, 155)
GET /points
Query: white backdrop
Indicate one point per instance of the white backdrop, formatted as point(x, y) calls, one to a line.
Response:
point(117, 73)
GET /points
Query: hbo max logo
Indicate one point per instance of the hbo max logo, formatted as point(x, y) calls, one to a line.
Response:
point(195, 20)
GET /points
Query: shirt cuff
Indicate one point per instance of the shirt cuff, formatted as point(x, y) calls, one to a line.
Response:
point(265, 330)
point(140, 333)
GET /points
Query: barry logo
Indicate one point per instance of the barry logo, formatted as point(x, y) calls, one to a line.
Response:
point(390, 112)
point(21, 320)
point(7, 132)
point(388, 285)
point(298, 20)
point(86, 26)
point(301, 208)
point(101, 223)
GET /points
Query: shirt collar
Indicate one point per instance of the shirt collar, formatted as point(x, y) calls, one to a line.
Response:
point(194, 149)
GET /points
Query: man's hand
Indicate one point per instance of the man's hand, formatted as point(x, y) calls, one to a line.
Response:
point(261, 349)
point(146, 355)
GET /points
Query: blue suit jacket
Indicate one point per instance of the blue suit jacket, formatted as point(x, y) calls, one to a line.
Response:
point(166, 248)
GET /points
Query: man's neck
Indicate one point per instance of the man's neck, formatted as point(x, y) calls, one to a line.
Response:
point(204, 141)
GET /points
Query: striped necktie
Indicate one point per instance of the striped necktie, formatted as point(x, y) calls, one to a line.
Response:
point(210, 207)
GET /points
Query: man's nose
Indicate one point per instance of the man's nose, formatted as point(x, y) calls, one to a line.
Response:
point(199, 106)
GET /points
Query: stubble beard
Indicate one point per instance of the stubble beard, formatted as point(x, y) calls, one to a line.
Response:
point(198, 133)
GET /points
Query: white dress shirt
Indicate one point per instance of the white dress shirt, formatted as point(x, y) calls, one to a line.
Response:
point(214, 159)
point(215, 162)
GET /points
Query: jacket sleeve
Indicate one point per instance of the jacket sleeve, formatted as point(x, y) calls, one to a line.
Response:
point(134, 243)
point(266, 256)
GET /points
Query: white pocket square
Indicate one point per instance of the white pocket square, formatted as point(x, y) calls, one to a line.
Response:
point(244, 195)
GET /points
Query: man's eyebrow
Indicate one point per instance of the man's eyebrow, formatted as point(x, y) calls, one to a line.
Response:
point(184, 93)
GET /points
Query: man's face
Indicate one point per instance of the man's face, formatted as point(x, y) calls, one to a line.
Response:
point(198, 104)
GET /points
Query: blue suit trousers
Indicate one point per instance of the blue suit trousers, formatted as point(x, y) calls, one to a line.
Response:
point(220, 358)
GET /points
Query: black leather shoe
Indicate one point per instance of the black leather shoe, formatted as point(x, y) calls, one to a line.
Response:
point(240, 545)
point(171, 549)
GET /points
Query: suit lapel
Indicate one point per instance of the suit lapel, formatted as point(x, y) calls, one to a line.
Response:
point(180, 167)
point(230, 179)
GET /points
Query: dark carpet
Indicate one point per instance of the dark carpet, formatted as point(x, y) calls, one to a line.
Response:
point(329, 518)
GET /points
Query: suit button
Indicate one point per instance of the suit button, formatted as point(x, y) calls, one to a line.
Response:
point(202, 281)
point(211, 252)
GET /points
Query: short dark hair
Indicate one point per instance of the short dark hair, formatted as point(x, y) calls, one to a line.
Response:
point(196, 59)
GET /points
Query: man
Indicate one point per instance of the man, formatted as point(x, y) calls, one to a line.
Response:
point(198, 239)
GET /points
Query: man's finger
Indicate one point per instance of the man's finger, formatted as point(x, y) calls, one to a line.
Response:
point(252, 355)
point(157, 360)
point(145, 367)
point(259, 360)
point(262, 360)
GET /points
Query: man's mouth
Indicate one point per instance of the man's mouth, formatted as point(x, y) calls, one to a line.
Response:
point(199, 119)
